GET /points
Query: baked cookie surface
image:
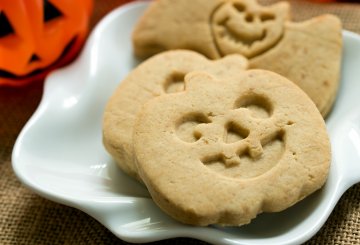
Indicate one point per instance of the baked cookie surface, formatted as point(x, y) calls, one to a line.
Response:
point(302, 52)
point(223, 151)
point(309, 54)
point(161, 74)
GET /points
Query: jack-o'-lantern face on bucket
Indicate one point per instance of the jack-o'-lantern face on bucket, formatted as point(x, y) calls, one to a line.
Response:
point(246, 28)
point(39, 35)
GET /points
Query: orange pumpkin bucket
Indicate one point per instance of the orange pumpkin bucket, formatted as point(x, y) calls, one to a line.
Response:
point(37, 36)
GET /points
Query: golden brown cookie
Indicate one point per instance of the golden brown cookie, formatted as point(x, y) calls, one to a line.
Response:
point(226, 150)
point(161, 74)
point(307, 53)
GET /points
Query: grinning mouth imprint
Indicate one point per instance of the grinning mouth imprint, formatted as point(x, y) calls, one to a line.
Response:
point(6, 74)
point(234, 166)
point(239, 38)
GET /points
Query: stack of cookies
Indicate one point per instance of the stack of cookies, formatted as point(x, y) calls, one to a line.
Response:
point(224, 119)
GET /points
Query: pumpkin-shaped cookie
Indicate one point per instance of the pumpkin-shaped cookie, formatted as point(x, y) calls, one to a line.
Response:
point(227, 149)
point(161, 74)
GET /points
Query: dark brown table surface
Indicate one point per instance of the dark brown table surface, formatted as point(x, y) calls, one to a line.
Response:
point(26, 218)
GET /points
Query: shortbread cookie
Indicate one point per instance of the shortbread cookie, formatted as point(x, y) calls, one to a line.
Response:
point(159, 75)
point(226, 150)
point(307, 53)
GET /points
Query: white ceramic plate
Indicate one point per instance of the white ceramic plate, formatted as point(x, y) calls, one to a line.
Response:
point(59, 153)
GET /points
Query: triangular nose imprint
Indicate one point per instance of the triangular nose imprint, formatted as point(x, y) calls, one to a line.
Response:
point(33, 58)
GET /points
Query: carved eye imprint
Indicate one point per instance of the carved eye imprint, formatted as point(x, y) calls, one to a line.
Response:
point(259, 105)
point(267, 17)
point(50, 11)
point(5, 26)
point(186, 127)
point(239, 7)
point(175, 82)
point(249, 18)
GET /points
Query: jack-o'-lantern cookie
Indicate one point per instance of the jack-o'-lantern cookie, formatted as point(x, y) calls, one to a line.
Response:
point(307, 53)
point(226, 150)
point(161, 74)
